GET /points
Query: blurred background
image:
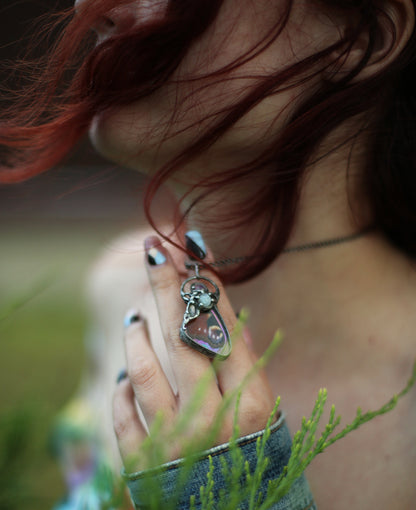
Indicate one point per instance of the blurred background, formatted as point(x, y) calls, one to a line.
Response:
point(51, 230)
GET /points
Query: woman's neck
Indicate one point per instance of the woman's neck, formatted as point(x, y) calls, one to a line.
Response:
point(317, 291)
point(329, 293)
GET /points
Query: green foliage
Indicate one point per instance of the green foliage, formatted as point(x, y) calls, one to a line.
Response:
point(9, 307)
point(15, 438)
point(242, 481)
point(41, 360)
point(242, 484)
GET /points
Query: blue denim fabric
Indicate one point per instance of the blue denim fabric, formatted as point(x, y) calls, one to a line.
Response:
point(278, 448)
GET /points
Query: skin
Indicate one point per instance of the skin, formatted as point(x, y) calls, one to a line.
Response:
point(235, 33)
point(347, 312)
point(145, 372)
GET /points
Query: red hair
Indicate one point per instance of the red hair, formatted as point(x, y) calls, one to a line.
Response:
point(50, 116)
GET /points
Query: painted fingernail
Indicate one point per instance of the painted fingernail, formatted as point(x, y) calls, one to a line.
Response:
point(247, 338)
point(195, 244)
point(122, 375)
point(154, 255)
point(131, 317)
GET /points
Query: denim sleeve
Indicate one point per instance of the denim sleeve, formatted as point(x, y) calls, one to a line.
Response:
point(278, 448)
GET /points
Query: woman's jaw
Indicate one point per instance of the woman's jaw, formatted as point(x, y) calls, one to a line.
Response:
point(148, 133)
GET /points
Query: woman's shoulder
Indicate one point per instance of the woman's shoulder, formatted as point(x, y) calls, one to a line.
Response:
point(116, 280)
point(120, 262)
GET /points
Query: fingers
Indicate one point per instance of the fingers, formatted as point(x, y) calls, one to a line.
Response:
point(188, 364)
point(129, 430)
point(149, 382)
point(256, 399)
point(232, 370)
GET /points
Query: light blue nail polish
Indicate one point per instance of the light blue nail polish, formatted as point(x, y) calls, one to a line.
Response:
point(131, 317)
point(155, 257)
point(122, 375)
point(195, 244)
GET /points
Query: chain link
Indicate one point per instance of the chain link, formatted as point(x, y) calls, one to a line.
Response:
point(299, 248)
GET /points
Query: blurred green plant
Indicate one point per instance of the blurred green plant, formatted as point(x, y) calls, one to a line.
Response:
point(32, 350)
point(242, 482)
point(17, 425)
point(242, 485)
point(12, 305)
point(15, 441)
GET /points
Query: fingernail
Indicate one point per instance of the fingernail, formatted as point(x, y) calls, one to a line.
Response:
point(195, 244)
point(247, 338)
point(154, 255)
point(131, 317)
point(122, 375)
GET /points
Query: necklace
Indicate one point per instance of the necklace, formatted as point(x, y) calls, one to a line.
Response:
point(299, 248)
point(328, 242)
point(203, 327)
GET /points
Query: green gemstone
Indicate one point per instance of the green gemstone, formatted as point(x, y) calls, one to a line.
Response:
point(205, 300)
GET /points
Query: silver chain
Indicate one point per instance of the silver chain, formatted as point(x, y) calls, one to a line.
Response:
point(328, 242)
point(299, 248)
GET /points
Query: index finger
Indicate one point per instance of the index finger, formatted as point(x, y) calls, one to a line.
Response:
point(232, 370)
point(188, 365)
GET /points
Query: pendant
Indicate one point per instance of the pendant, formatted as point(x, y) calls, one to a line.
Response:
point(203, 328)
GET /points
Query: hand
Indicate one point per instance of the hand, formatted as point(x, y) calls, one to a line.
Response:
point(148, 386)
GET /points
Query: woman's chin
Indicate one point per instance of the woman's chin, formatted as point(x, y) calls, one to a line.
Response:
point(102, 137)
point(113, 141)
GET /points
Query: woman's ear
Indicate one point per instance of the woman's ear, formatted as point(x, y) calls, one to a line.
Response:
point(395, 25)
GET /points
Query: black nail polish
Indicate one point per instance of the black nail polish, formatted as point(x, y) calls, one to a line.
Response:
point(155, 257)
point(130, 318)
point(195, 244)
point(122, 375)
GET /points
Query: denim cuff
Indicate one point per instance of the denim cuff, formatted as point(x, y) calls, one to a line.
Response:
point(167, 476)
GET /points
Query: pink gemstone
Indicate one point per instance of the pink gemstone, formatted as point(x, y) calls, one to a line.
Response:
point(209, 334)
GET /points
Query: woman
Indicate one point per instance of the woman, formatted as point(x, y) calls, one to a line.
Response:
point(278, 124)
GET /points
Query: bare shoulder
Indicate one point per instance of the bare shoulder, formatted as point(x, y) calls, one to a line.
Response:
point(116, 283)
point(117, 280)
point(373, 467)
point(120, 268)
point(122, 254)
